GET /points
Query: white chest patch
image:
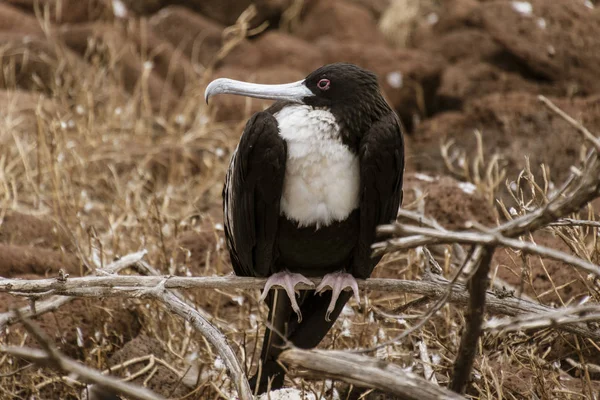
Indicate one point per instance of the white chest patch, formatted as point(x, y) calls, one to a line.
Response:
point(322, 176)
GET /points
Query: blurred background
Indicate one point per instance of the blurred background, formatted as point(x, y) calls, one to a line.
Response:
point(107, 147)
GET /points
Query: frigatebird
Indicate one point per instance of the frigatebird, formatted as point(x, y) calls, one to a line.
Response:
point(311, 178)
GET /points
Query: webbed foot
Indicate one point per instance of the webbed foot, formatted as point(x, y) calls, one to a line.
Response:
point(338, 281)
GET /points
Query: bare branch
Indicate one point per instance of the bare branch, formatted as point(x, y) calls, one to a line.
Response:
point(477, 286)
point(138, 286)
point(426, 236)
point(549, 319)
point(365, 372)
point(575, 222)
point(212, 334)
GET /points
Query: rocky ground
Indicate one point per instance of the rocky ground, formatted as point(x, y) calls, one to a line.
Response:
point(106, 148)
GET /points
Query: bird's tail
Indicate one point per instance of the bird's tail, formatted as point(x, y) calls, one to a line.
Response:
point(305, 334)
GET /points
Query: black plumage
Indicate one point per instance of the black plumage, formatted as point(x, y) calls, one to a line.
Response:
point(263, 241)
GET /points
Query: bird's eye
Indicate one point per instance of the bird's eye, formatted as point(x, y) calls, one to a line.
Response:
point(323, 84)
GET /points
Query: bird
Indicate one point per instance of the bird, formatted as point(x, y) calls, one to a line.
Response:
point(312, 177)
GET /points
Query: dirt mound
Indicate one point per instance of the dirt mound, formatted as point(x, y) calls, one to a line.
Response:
point(551, 282)
point(513, 125)
point(28, 230)
point(344, 21)
point(164, 381)
point(83, 324)
point(555, 40)
point(19, 260)
point(198, 37)
point(469, 80)
point(274, 49)
point(451, 203)
point(194, 250)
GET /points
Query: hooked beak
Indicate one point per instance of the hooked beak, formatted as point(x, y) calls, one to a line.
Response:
point(294, 92)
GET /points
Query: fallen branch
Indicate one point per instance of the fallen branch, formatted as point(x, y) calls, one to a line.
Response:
point(365, 372)
point(52, 357)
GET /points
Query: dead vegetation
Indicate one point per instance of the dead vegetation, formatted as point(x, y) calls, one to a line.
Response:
point(105, 172)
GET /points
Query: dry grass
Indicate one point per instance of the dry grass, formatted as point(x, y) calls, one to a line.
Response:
point(120, 177)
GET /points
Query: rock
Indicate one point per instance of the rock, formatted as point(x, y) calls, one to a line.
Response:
point(163, 381)
point(198, 37)
point(448, 201)
point(557, 41)
point(68, 11)
point(345, 22)
point(409, 77)
point(273, 49)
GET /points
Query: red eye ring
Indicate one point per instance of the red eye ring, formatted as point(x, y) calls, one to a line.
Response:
point(324, 84)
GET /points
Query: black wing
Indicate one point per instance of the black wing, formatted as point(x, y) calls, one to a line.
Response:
point(381, 153)
point(251, 196)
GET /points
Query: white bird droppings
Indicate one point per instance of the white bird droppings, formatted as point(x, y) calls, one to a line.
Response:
point(467, 187)
point(523, 7)
point(395, 79)
point(119, 9)
point(432, 18)
point(541, 22)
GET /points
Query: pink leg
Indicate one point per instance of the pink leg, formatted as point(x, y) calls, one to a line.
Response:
point(338, 281)
point(288, 282)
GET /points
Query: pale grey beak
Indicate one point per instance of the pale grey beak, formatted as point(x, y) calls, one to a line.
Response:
point(295, 91)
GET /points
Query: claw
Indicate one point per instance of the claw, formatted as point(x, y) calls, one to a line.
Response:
point(288, 282)
point(337, 281)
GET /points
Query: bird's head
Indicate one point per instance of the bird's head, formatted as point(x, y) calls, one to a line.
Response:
point(349, 92)
point(332, 86)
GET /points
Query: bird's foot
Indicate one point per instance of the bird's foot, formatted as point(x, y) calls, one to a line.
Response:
point(337, 281)
point(288, 281)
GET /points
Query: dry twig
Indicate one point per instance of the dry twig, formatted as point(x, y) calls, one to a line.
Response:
point(550, 319)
